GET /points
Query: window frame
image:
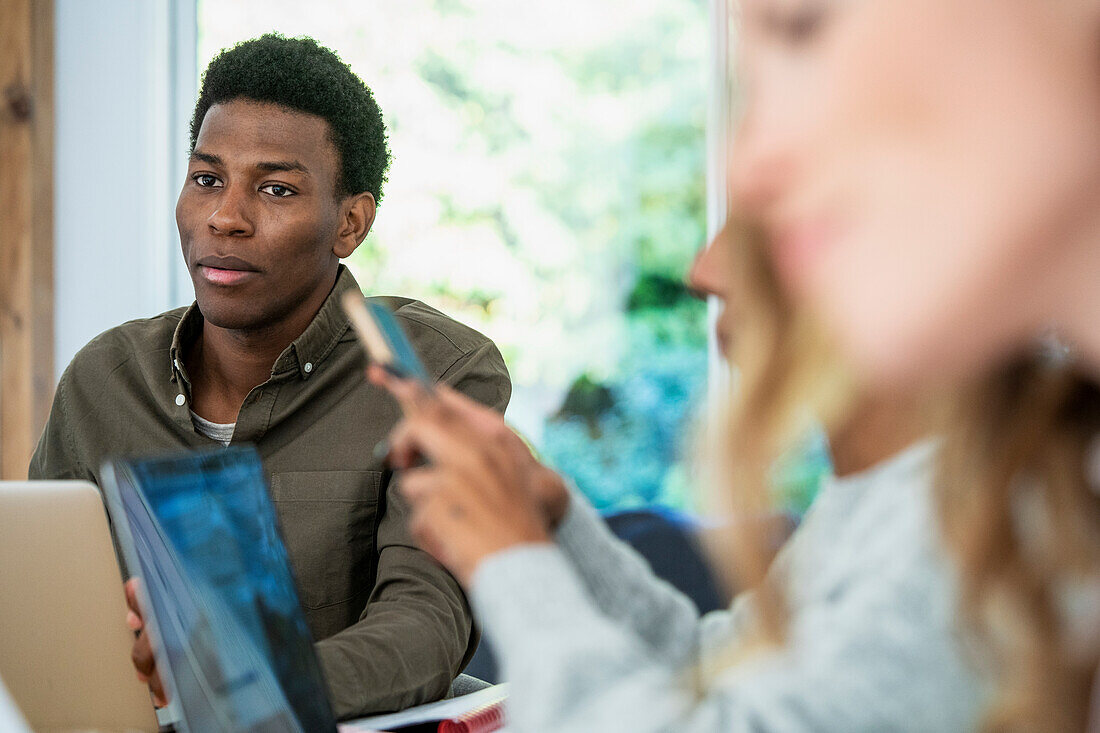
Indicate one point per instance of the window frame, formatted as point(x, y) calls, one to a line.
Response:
point(124, 87)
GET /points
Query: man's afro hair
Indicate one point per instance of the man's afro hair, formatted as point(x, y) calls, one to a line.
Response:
point(300, 74)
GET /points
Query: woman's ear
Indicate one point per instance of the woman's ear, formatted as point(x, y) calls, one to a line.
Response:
point(356, 217)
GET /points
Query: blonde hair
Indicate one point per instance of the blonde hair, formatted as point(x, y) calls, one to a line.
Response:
point(783, 371)
point(1021, 519)
point(1016, 507)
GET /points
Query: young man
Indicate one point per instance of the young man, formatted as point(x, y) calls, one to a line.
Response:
point(288, 159)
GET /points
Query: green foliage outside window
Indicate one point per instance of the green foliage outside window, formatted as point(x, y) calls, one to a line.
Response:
point(548, 188)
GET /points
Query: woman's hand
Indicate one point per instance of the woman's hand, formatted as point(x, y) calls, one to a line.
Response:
point(481, 490)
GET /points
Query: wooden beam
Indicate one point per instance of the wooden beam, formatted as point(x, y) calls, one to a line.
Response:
point(26, 228)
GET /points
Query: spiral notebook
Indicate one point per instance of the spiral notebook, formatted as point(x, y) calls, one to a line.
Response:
point(478, 712)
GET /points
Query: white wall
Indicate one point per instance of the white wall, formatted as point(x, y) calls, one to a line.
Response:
point(124, 84)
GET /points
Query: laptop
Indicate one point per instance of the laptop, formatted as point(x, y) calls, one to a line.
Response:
point(199, 532)
point(232, 646)
point(64, 644)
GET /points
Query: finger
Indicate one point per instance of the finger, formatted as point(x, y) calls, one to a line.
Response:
point(476, 413)
point(418, 484)
point(402, 446)
point(460, 450)
point(131, 589)
point(413, 397)
point(142, 656)
point(378, 376)
point(440, 486)
point(439, 524)
point(402, 450)
point(506, 450)
point(487, 424)
point(409, 393)
point(474, 494)
point(479, 417)
point(412, 391)
point(477, 430)
point(156, 686)
point(427, 538)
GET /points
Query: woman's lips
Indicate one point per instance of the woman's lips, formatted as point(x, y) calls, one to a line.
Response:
point(220, 276)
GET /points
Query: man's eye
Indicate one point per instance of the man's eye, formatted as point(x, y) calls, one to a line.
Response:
point(205, 180)
point(277, 190)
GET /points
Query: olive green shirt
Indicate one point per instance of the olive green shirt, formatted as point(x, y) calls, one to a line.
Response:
point(393, 626)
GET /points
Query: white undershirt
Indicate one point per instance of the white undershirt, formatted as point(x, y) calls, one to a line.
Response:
point(221, 432)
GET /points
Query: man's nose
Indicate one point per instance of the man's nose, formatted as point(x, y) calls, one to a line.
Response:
point(232, 217)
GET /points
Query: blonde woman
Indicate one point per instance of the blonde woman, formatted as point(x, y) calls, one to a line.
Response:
point(928, 173)
point(849, 631)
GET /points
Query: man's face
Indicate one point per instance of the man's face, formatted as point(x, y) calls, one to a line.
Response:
point(258, 216)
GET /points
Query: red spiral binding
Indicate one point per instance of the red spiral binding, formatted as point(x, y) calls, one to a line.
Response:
point(485, 719)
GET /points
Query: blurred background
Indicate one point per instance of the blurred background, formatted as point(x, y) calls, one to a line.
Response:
point(547, 188)
point(552, 179)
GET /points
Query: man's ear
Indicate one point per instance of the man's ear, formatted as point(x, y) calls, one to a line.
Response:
point(356, 218)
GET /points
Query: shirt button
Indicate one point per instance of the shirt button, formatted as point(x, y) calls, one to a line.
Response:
point(180, 399)
point(308, 367)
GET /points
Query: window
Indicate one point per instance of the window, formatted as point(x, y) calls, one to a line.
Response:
point(548, 188)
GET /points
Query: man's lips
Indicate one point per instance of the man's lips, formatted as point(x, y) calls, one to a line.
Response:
point(227, 270)
point(223, 276)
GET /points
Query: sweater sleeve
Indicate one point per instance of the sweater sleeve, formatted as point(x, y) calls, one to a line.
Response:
point(881, 661)
point(622, 587)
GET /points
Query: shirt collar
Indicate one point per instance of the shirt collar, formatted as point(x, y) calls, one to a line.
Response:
point(305, 354)
point(309, 350)
point(187, 330)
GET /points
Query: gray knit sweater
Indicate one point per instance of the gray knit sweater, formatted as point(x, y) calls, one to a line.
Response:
point(590, 640)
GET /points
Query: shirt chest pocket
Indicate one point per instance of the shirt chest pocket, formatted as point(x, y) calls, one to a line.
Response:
point(328, 520)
